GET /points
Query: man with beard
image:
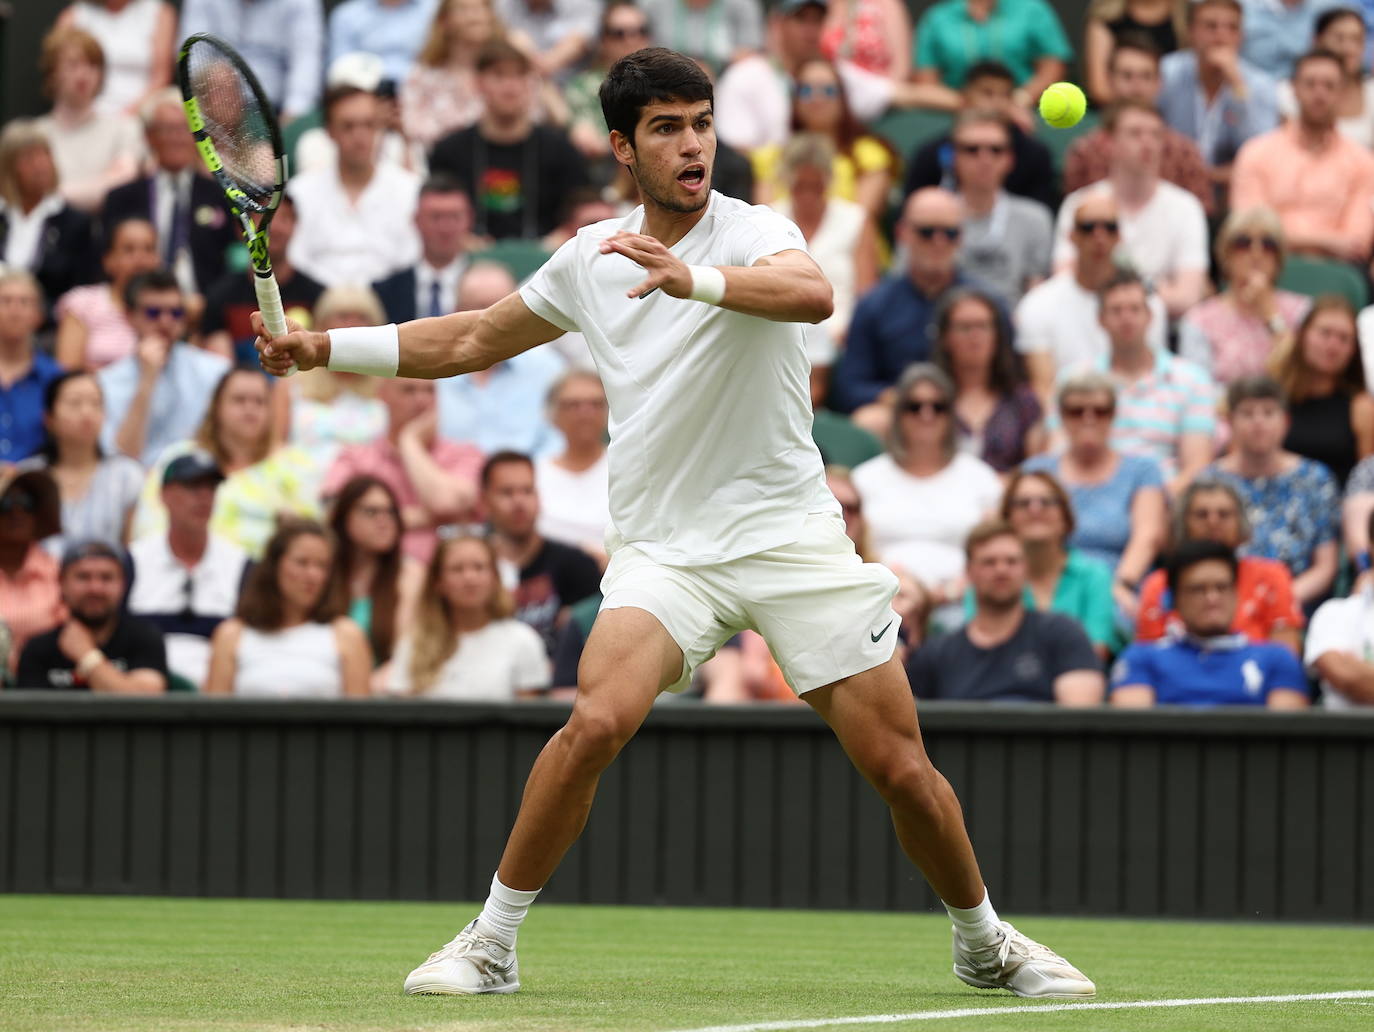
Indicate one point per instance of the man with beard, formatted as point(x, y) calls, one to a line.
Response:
point(691, 306)
point(99, 647)
point(1007, 652)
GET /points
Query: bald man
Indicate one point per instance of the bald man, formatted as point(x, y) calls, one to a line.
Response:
point(1056, 322)
point(894, 323)
point(501, 408)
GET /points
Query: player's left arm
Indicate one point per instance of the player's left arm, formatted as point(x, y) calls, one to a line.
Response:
point(785, 287)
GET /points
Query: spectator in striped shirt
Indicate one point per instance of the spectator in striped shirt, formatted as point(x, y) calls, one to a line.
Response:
point(1166, 405)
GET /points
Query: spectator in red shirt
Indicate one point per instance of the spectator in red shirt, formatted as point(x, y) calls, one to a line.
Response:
point(434, 479)
point(1266, 610)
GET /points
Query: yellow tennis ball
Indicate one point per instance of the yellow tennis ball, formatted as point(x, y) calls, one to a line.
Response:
point(1062, 105)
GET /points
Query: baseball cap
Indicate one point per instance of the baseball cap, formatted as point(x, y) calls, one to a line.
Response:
point(356, 68)
point(793, 6)
point(192, 467)
point(90, 548)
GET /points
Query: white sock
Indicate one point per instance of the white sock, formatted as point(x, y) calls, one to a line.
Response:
point(504, 910)
point(977, 926)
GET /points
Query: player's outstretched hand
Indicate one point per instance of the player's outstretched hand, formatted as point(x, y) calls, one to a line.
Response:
point(666, 270)
point(303, 348)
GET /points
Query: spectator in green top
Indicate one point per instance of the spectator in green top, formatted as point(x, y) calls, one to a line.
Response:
point(1059, 579)
point(1025, 35)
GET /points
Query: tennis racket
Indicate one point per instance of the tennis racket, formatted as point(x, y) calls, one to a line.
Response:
point(240, 143)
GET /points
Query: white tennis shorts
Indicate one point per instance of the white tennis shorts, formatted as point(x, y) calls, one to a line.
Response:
point(825, 613)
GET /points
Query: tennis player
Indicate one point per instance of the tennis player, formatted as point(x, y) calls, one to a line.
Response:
point(722, 520)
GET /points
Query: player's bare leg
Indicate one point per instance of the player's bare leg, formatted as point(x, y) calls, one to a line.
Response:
point(873, 715)
point(629, 658)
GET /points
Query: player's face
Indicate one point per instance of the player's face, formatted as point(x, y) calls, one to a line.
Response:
point(1134, 76)
point(1125, 315)
point(303, 571)
point(1206, 598)
point(467, 578)
point(982, 156)
point(511, 501)
point(373, 523)
point(673, 154)
point(92, 589)
point(997, 572)
point(21, 313)
point(1213, 516)
point(1259, 426)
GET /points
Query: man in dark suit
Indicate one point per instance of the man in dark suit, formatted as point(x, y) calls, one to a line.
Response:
point(39, 231)
point(443, 217)
point(193, 226)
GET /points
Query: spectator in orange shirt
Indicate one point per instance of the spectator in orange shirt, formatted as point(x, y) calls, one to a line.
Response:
point(1320, 182)
point(1266, 610)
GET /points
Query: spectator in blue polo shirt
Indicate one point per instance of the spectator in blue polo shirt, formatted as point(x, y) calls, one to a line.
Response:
point(1205, 664)
point(894, 323)
point(24, 371)
point(1278, 32)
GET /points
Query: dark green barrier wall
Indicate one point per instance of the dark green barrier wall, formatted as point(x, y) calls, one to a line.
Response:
point(1250, 815)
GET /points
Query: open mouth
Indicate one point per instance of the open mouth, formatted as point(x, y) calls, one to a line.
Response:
point(693, 177)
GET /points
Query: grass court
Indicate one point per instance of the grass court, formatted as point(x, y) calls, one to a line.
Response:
point(82, 964)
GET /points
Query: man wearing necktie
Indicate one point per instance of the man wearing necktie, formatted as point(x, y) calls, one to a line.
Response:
point(443, 217)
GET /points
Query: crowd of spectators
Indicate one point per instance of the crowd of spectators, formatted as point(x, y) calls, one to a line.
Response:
point(1098, 397)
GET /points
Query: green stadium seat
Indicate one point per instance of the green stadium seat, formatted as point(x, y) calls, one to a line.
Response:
point(522, 257)
point(841, 443)
point(1060, 140)
point(1316, 276)
point(908, 128)
point(178, 683)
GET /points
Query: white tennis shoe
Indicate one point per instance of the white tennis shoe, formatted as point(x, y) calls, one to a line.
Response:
point(472, 963)
point(1021, 965)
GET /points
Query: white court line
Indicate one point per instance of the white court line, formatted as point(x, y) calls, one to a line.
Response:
point(1032, 1008)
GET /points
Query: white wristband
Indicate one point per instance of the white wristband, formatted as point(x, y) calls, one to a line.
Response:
point(370, 350)
point(708, 284)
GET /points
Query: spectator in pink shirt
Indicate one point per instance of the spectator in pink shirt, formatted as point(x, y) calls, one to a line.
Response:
point(434, 479)
point(1320, 182)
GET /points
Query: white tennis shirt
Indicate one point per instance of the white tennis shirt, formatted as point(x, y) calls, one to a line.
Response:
point(711, 456)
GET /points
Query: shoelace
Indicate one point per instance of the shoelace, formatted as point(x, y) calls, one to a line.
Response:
point(466, 942)
point(1027, 947)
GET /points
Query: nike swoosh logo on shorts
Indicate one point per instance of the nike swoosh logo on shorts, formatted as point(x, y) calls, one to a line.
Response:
point(875, 637)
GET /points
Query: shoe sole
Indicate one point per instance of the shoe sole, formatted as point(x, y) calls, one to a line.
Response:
point(1025, 996)
point(447, 990)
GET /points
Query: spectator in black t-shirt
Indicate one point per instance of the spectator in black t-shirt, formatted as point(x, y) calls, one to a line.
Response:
point(550, 576)
point(224, 326)
point(517, 173)
point(1007, 652)
point(989, 86)
point(99, 647)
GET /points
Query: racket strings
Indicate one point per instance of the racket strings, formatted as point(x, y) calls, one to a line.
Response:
point(235, 122)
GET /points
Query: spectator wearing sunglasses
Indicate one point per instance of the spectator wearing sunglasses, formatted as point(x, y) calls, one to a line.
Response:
point(30, 510)
point(1057, 324)
point(924, 495)
point(894, 323)
point(1163, 227)
point(1007, 239)
point(159, 394)
point(1232, 334)
point(624, 29)
point(187, 580)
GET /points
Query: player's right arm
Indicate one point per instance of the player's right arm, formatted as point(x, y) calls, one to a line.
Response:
point(430, 349)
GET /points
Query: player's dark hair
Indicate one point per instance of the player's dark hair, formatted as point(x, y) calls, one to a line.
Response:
point(1138, 42)
point(988, 69)
point(336, 95)
point(1319, 54)
point(503, 458)
point(1198, 550)
point(651, 75)
point(1254, 388)
point(1329, 17)
point(154, 279)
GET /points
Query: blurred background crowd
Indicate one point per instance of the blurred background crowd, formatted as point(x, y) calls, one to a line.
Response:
point(1098, 396)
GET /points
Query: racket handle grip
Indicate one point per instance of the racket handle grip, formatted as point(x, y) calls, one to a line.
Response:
point(269, 303)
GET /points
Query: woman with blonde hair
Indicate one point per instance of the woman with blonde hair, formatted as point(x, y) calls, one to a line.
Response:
point(440, 94)
point(1233, 334)
point(324, 410)
point(264, 478)
point(465, 643)
point(1163, 22)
